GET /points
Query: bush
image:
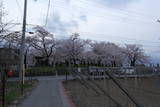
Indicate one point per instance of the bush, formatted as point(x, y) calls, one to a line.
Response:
point(46, 71)
point(41, 69)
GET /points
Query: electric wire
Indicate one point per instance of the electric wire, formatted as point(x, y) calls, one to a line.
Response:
point(92, 12)
point(19, 7)
point(47, 15)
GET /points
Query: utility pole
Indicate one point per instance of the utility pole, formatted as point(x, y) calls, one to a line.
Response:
point(23, 46)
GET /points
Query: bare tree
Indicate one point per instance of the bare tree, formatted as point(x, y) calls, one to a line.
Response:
point(2, 25)
point(7, 37)
point(12, 40)
point(43, 41)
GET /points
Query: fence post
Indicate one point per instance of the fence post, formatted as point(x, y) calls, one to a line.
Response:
point(108, 89)
point(126, 83)
point(104, 77)
point(89, 72)
point(136, 79)
point(3, 87)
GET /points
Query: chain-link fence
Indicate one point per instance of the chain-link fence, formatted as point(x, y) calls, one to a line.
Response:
point(11, 88)
point(117, 87)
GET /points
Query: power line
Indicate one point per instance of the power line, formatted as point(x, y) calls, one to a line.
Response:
point(28, 24)
point(117, 42)
point(47, 12)
point(126, 14)
point(19, 7)
point(89, 11)
point(97, 35)
point(97, 4)
point(114, 36)
point(125, 42)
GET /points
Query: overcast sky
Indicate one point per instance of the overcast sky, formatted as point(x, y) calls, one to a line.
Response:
point(119, 21)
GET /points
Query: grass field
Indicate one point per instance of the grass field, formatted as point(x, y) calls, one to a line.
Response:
point(145, 91)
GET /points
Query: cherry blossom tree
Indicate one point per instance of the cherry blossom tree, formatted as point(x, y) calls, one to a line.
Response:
point(72, 48)
point(135, 54)
point(107, 54)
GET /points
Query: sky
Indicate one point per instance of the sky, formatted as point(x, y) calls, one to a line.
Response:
point(118, 21)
